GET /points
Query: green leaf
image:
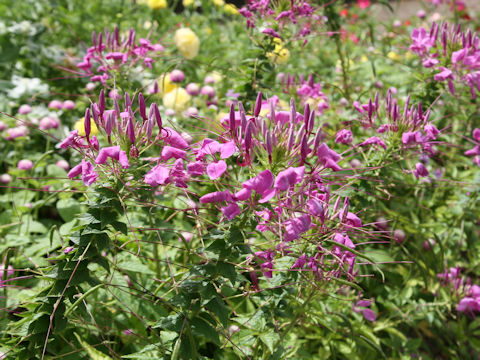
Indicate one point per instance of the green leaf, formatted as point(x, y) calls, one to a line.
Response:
point(93, 353)
point(201, 327)
point(270, 339)
point(227, 270)
point(68, 209)
point(218, 307)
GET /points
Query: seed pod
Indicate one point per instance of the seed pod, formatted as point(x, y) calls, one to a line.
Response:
point(142, 107)
point(101, 102)
point(87, 122)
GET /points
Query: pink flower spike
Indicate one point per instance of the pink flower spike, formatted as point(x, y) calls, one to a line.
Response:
point(169, 152)
point(231, 211)
point(216, 169)
point(260, 183)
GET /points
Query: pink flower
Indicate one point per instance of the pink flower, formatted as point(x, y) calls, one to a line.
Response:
point(157, 176)
point(243, 194)
point(195, 168)
point(231, 211)
point(217, 196)
point(114, 153)
point(193, 89)
point(55, 104)
point(289, 177)
point(260, 183)
point(344, 136)
point(295, 227)
point(24, 109)
point(420, 170)
point(169, 152)
point(68, 105)
point(25, 164)
point(177, 76)
point(374, 141)
point(328, 157)
point(476, 134)
point(63, 164)
point(216, 169)
point(89, 176)
point(173, 138)
point(49, 123)
point(443, 75)
point(271, 32)
point(208, 91)
point(421, 41)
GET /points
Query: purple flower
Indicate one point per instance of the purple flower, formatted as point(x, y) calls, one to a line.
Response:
point(157, 176)
point(420, 170)
point(289, 177)
point(89, 176)
point(260, 183)
point(295, 227)
point(114, 153)
point(169, 152)
point(25, 164)
point(374, 141)
point(216, 169)
point(24, 109)
point(177, 76)
point(344, 136)
point(217, 196)
point(271, 32)
point(195, 168)
point(230, 211)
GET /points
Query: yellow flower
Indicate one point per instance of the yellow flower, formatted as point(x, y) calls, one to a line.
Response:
point(364, 59)
point(165, 85)
point(188, 3)
point(394, 56)
point(218, 2)
point(80, 126)
point(157, 4)
point(187, 42)
point(408, 55)
point(230, 9)
point(280, 54)
point(176, 99)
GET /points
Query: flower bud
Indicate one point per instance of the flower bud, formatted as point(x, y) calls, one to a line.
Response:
point(399, 236)
point(258, 104)
point(87, 122)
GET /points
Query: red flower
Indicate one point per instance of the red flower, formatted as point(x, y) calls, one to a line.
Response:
point(363, 4)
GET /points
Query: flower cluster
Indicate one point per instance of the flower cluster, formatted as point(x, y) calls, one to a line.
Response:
point(275, 18)
point(475, 151)
point(453, 53)
point(470, 302)
point(111, 51)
